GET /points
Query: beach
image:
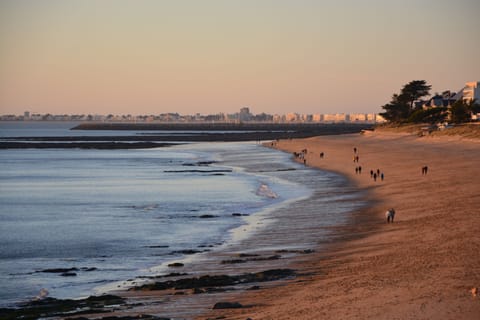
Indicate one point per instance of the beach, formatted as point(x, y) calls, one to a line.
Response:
point(332, 254)
point(425, 265)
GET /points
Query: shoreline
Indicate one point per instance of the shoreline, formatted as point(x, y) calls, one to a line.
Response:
point(257, 254)
point(424, 265)
point(268, 249)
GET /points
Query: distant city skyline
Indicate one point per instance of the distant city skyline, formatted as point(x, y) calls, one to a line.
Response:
point(208, 57)
point(244, 115)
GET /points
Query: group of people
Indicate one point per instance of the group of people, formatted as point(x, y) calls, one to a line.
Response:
point(377, 175)
point(301, 155)
point(374, 174)
point(390, 214)
point(358, 169)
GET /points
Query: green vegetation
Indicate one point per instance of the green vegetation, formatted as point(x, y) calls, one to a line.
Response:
point(403, 107)
point(461, 111)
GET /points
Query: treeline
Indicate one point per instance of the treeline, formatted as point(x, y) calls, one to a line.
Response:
point(407, 106)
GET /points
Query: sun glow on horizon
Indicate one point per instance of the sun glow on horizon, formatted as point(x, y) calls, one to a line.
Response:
point(153, 57)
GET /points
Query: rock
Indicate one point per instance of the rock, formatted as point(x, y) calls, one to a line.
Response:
point(207, 216)
point(86, 269)
point(67, 272)
point(254, 258)
point(187, 251)
point(174, 274)
point(198, 291)
point(208, 281)
point(274, 257)
point(227, 305)
point(233, 261)
point(176, 265)
point(306, 251)
point(140, 316)
point(58, 270)
point(51, 307)
point(210, 290)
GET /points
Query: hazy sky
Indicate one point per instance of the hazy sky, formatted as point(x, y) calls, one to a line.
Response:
point(275, 56)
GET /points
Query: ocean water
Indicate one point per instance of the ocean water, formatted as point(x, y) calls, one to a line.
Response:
point(105, 216)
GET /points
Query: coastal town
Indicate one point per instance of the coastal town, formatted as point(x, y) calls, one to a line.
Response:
point(470, 92)
point(244, 115)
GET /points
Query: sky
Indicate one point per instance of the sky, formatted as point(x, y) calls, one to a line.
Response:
point(212, 56)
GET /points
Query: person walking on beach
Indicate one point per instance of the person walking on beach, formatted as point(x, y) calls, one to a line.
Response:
point(390, 215)
point(382, 176)
point(424, 170)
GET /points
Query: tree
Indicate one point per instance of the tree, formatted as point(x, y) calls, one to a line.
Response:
point(414, 90)
point(474, 106)
point(432, 115)
point(396, 110)
point(461, 111)
point(401, 106)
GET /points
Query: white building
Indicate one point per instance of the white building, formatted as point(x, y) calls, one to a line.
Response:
point(292, 117)
point(317, 118)
point(358, 117)
point(277, 118)
point(471, 91)
point(337, 117)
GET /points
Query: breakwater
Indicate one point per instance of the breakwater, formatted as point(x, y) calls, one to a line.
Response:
point(230, 131)
point(147, 135)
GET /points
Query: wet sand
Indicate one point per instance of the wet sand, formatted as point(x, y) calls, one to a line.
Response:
point(268, 242)
point(423, 266)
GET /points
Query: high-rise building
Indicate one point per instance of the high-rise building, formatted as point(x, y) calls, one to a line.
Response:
point(471, 91)
point(244, 114)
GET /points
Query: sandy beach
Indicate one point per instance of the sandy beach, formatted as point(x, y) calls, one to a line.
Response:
point(423, 266)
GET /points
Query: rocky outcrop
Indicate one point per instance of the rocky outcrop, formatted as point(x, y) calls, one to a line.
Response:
point(211, 281)
point(51, 307)
point(227, 305)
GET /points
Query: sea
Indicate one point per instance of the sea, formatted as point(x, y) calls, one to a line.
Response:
point(77, 222)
